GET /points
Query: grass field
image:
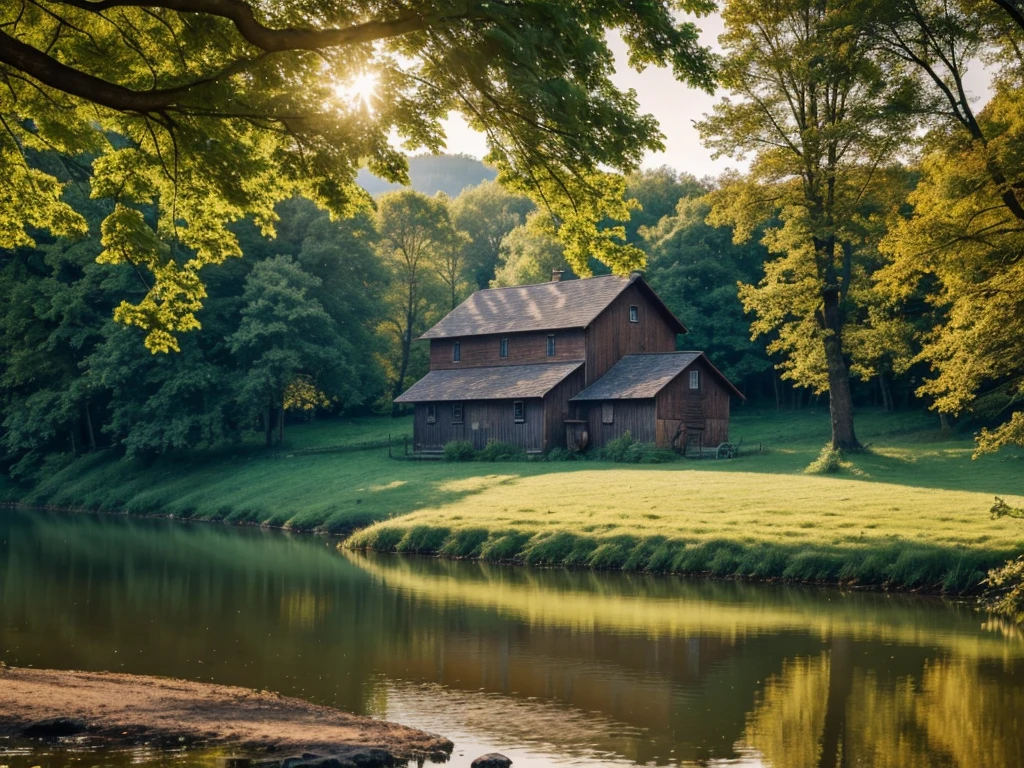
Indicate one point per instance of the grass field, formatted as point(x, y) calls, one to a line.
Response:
point(912, 513)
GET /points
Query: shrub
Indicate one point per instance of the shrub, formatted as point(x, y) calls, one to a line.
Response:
point(829, 461)
point(618, 448)
point(561, 454)
point(459, 450)
point(496, 450)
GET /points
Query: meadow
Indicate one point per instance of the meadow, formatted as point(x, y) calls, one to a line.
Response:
point(911, 513)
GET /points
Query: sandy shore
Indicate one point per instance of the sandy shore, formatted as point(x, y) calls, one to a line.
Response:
point(127, 710)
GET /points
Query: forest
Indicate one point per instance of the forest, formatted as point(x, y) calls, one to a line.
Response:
point(871, 254)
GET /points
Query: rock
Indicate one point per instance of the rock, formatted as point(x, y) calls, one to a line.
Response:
point(491, 760)
point(54, 728)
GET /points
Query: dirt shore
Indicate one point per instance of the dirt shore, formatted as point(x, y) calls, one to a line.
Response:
point(128, 710)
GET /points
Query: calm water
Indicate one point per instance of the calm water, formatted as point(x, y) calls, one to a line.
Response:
point(546, 667)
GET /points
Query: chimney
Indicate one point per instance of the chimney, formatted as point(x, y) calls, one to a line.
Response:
point(556, 275)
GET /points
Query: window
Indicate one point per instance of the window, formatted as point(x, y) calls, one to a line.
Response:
point(503, 349)
point(551, 345)
point(431, 413)
point(518, 412)
point(694, 379)
point(607, 413)
point(634, 313)
point(456, 413)
point(456, 352)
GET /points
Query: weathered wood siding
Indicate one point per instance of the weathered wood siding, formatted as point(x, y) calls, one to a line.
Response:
point(706, 408)
point(633, 416)
point(482, 420)
point(557, 409)
point(532, 347)
point(611, 336)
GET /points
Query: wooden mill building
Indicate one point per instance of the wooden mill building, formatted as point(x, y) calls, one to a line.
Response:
point(565, 363)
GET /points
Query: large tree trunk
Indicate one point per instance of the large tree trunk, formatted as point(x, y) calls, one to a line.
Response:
point(839, 397)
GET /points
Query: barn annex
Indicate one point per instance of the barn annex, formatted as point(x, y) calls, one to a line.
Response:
point(565, 363)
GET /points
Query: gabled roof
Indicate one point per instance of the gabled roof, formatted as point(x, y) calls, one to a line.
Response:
point(503, 382)
point(637, 377)
point(541, 307)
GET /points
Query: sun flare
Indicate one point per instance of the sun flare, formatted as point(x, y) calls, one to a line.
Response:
point(359, 90)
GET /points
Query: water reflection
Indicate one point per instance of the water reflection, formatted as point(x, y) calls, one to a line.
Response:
point(546, 666)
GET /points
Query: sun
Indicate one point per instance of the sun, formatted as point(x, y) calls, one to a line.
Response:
point(360, 90)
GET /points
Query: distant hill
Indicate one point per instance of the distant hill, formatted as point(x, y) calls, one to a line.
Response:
point(431, 174)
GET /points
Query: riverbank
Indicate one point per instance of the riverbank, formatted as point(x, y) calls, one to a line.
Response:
point(912, 513)
point(115, 711)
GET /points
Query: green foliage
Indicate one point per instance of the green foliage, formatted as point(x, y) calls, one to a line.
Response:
point(487, 213)
point(829, 462)
point(625, 450)
point(195, 119)
point(696, 268)
point(497, 450)
point(530, 253)
point(561, 454)
point(1002, 509)
point(459, 450)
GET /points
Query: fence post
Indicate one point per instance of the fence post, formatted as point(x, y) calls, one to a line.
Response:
point(389, 445)
point(405, 443)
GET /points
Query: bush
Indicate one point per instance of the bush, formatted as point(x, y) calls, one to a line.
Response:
point(459, 450)
point(626, 450)
point(617, 449)
point(496, 450)
point(561, 454)
point(829, 461)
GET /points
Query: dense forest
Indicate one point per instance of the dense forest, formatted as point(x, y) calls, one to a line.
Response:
point(873, 254)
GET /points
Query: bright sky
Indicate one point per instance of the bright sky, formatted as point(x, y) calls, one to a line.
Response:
point(675, 106)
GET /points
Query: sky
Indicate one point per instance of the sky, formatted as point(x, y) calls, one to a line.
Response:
point(675, 106)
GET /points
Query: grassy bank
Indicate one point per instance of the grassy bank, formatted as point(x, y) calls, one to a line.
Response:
point(912, 513)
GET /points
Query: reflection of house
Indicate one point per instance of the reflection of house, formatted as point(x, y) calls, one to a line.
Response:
point(508, 363)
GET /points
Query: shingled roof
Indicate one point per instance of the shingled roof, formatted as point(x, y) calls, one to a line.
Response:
point(504, 382)
point(636, 377)
point(541, 307)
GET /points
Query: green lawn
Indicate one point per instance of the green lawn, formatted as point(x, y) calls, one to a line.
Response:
point(911, 513)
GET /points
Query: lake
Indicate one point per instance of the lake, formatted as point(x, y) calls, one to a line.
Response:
point(547, 667)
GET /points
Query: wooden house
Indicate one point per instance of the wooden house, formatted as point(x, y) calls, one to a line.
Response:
point(507, 363)
point(670, 399)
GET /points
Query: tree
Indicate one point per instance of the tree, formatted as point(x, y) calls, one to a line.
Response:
point(658, 191)
point(208, 111)
point(816, 110)
point(487, 213)
point(414, 229)
point(963, 244)
point(529, 254)
point(696, 268)
point(286, 343)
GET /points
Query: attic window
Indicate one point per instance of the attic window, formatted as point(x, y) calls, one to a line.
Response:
point(503, 348)
point(607, 413)
point(551, 345)
point(456, 352)
point(634, 313)
point(694, 379)
point(518, 412)
point(431, 413)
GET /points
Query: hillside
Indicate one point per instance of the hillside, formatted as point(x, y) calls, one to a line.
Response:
point(431, 174)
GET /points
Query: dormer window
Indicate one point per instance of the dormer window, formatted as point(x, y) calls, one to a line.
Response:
point(456, 352)
point(551, 345)
point(694, 379)
point(503, 348)
point(634, 313)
